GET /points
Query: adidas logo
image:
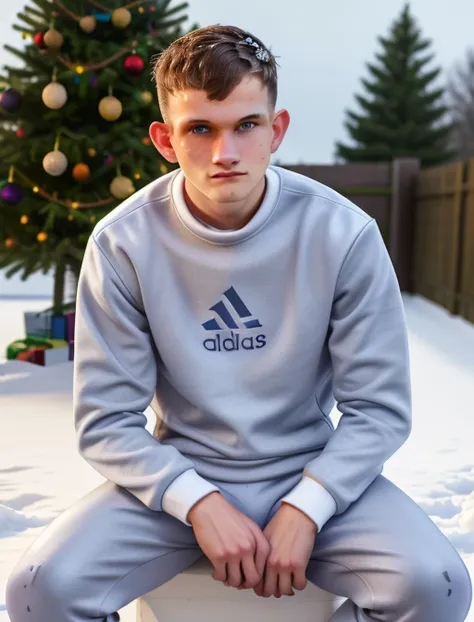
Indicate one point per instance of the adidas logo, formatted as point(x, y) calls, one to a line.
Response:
point(235, 341)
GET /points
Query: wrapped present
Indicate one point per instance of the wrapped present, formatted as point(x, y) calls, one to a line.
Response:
point(37, 323)
point(71, 321)
point(23, 345)
point(37, 355)
point(53, 356)
point(33, 355)
point(58, 343)
point(59, 326)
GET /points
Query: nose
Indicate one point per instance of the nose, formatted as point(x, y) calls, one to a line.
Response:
point(225, 150)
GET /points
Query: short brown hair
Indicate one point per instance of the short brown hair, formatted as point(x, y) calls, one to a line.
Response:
point(212, 59)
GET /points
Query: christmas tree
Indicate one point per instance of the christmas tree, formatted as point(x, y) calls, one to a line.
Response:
point(74, 120)
point(403, 114)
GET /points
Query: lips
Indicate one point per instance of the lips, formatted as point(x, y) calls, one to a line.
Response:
point(220, 175)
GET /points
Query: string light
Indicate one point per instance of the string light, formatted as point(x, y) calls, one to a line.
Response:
point(24, 220)
point(54, 197)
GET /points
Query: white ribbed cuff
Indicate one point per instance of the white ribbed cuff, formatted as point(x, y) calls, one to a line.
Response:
point(312, 499)
point(184, 492)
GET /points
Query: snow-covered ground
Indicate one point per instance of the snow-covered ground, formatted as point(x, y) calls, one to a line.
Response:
point(41, 473)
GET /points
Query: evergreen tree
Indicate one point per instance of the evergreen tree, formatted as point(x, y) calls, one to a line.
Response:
point(74, 121)
point(403, 114)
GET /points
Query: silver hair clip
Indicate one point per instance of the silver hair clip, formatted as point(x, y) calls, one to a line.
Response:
point(260, 52)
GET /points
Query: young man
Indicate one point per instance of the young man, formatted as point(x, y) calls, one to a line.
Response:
point(242, 299)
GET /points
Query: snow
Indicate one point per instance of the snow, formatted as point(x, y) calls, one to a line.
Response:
point(41, 473)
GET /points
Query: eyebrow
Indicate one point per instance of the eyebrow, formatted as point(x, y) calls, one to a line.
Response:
point(256, 115)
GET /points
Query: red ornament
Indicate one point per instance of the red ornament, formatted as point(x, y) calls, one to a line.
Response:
point(134, 65)
point(39, 40)
point(20, 133)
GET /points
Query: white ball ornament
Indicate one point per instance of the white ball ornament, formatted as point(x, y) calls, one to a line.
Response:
point(122, 187)
point(53, 39)
point(54, 95)
point(88, 23)
point(55, 163)
point(121, 18)
point(110, 108)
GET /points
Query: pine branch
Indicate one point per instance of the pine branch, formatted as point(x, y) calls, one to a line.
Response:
point(168, 25)
point(177, 9)
point(18, 53)
point(33, 11)
point(45, 5)
point(28, 31)
point(37, 26)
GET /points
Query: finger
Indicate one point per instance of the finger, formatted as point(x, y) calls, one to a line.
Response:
point(220, 571)
point(258, 589)
point(299, 579)
point(261, 555)
point(234, 573)
point(262, 550)
point(285, 583)
point(270, 587)
point(249, 570)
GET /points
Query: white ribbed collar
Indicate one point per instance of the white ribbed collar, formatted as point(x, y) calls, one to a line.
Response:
point(217, 236)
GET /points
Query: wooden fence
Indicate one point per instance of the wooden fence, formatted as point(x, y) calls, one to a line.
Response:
point(426, 218)
point(443, 244)
point(385, 191)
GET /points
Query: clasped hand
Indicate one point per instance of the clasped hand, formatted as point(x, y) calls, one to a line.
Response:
point(272, 562)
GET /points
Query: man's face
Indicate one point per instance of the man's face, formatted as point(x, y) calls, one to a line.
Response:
point(214, 139)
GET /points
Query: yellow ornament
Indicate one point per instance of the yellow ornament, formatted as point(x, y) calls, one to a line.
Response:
point(146, 97)
point(163, 168)
point(122, 187)
point(70, 217)
point(110, 108)
point(42, 236)
point(24, 220)
point(92, 152)
point(88, 23)
point(81, 172)
point(54, 95)
point(53, 39)
point(121, 18)
point(55, 163)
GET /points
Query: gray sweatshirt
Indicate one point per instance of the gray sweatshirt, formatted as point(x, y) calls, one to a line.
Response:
point(242, 341)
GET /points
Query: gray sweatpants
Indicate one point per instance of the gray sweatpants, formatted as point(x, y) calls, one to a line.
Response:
point(384, 554)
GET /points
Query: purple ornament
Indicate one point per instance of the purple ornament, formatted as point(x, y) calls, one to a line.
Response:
point(11, 100)
point(12, 194)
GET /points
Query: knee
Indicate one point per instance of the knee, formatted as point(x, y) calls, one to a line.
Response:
point(425, 586)
point(34, 593)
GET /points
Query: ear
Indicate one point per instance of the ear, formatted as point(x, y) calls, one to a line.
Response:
point(280, 124)
point(160, 135)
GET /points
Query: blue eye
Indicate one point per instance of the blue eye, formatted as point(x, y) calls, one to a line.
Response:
point(251, 123)
point(199, 127)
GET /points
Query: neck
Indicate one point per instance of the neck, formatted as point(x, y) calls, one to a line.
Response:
point(216, 214)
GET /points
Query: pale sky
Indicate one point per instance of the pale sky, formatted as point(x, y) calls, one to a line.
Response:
point(323, 48)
